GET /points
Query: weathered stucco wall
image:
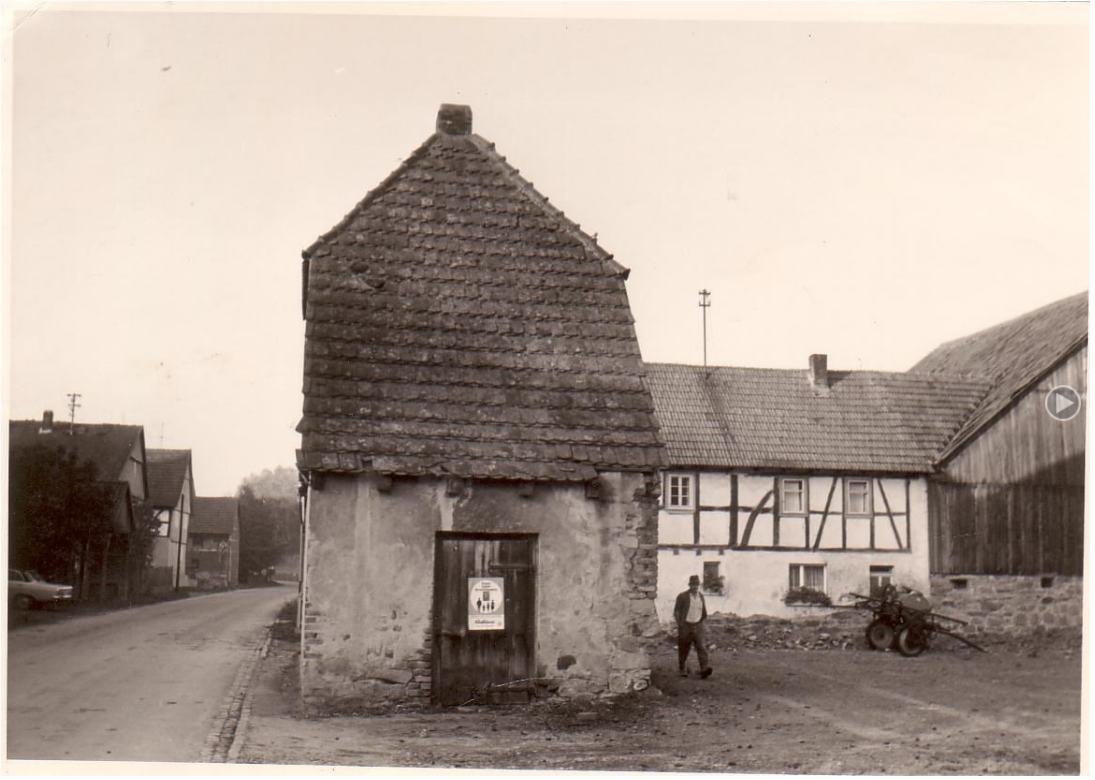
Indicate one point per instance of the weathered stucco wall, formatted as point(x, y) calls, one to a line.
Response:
point(757, 579)
point(367, 630)
point(1010, 605)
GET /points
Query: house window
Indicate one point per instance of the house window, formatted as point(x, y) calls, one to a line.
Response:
point(680, 491)
point(857, 496)
point(881, 576)
point(165, 523)
point(807, 575)
point(712, 581)
point(792, 496)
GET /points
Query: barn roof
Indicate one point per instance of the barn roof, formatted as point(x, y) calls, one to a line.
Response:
point(762, 418)
point(105, 445)
point(1012, 356)
point(214, 515)
point(459, 324)
point(166, 473)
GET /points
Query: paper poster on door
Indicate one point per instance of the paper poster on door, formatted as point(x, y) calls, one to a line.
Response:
point(486, 605)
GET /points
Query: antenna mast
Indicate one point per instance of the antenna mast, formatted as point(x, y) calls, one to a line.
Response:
point(72, 407)
point(705, 304)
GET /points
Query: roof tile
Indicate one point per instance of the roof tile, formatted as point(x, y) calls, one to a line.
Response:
point(214, 515)
point(868, 422)
point(459, 324)
point(1011, 356)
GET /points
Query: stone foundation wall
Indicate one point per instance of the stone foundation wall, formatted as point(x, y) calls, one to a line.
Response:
point(1009, 605)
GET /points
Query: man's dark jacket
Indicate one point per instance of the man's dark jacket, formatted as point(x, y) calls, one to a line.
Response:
point(680, 609)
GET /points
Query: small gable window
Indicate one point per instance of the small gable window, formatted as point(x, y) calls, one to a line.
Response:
point(679, 493)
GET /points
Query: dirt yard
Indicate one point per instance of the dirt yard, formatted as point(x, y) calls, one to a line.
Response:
point(781, 700)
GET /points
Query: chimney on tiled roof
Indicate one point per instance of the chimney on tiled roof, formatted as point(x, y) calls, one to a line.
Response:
point(819, 372)
point(47, 422)
point(453, 119)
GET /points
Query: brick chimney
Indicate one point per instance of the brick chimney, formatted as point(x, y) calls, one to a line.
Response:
point(819, 372)
point(47, 422)
point(453, 119)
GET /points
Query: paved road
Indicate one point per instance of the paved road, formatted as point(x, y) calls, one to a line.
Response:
point(142, 684)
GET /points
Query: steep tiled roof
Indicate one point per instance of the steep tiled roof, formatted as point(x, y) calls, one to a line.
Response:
point(459, 324)
point(166, 472)
point(760, 418)
point(107, 446)
point(1011, 356)
point(213, 515)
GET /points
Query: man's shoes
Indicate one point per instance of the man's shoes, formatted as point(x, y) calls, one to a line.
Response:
point(706, 672)
point(684, 672)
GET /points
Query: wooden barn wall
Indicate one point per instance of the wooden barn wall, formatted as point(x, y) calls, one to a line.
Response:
point(1026, 444)
point(1006, 529)
point(1012, 501)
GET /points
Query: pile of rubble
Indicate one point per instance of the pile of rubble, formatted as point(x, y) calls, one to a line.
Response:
point(839, 630)
point(844, 629)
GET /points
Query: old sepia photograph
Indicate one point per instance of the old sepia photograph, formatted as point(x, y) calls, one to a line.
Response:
point(600, 387)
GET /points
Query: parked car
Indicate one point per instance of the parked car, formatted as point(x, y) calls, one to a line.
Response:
point(28, 589)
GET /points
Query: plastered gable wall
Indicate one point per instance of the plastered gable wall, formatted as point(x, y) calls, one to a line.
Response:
point(757, 577)
point(367, 623)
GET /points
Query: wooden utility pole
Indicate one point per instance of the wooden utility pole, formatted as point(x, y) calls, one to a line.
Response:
point(705, 304)
point(72, 407)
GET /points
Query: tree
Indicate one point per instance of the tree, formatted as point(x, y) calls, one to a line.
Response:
point(268, 530)
point(145, 530)
point(57, 513)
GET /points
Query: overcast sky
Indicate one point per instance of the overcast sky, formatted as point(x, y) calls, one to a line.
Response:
point(861, 181)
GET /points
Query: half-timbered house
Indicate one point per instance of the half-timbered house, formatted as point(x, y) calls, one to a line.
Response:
point(479, 446)
point(106, 569)
point(171, 493)
point(788, 487)
point(1007, 495)
point(213, 543)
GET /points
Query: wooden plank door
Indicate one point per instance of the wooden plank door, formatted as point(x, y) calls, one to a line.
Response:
point(483, 666)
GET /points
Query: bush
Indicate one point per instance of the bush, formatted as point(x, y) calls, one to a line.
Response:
point(714, 584)
point(804, 595)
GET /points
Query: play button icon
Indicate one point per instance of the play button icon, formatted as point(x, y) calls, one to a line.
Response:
point(1063, 403)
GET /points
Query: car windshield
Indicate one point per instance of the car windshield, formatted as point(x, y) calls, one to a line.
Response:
point(33, 576)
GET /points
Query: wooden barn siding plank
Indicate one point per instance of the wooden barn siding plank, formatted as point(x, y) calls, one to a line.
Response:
point(1006, 529)
point(1026, 443)
point(942, 527)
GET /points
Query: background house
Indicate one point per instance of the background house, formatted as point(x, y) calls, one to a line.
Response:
point(1007, 496)
point(213, 550)
point(171, 493)
point(783, 480)
point(479, 446)
point(105, 564)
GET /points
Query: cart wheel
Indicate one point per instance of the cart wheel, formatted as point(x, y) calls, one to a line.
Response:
point(880, 635)
point(912, 640)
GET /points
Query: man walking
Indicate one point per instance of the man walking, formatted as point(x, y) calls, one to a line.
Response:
point(690, 612)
